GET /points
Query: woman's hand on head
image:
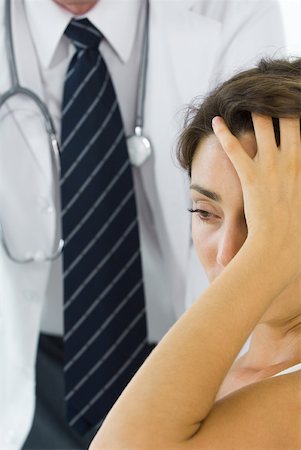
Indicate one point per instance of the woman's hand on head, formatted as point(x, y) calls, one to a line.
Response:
point(271, 185)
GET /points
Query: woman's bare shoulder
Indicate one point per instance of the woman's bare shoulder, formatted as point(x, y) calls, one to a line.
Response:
point(262, 416)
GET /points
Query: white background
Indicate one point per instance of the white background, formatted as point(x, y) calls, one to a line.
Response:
point(291, 10)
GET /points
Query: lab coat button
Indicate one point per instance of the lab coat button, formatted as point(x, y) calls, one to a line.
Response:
point(45, 205)
point(50, 209)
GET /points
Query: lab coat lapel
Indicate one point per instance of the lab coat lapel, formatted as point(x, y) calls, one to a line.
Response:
point(191, 40)
point(25, 112)
point(29, 188)
point(179, 68)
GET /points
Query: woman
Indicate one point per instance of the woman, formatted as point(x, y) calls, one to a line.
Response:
point(245, 171)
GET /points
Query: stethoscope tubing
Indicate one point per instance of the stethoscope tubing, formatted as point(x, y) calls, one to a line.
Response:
point(10, 46)
point(142, 77)
point(17, 89)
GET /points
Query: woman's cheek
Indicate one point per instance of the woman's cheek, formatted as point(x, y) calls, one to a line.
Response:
point(202, 236)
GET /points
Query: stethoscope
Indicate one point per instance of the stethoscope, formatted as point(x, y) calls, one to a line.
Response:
point(139, 147)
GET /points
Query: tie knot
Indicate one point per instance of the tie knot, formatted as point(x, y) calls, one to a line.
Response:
point(83, 34)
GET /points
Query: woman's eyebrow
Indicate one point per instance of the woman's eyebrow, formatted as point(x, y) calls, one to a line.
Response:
point(213, 195)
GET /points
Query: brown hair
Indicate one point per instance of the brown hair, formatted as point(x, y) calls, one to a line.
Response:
point(272, 88)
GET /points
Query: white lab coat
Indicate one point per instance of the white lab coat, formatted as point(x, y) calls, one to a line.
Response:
point(191, 43)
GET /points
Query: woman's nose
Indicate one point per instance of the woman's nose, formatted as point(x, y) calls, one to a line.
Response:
point(231, 240)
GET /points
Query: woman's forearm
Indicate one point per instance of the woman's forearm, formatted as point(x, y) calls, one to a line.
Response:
point(176, 387)
point(188, 367)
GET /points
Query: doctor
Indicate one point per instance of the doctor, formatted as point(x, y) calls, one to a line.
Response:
point(191, 45)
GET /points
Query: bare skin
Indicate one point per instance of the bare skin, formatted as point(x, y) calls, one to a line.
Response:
point(219, 229)
point(77, 7)
point(275, 346)
point(260, 362)
point(171, 401)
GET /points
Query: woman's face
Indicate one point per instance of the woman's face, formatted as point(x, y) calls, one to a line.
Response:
point(219, 227)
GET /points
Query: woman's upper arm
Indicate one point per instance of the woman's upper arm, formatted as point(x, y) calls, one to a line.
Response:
point(262, 416)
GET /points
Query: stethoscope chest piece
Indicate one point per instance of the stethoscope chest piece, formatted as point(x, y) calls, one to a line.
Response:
point(139, 148)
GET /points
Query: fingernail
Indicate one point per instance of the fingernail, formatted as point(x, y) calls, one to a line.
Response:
point(216, 121)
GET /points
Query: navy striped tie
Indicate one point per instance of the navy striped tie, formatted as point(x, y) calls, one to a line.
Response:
point(104, 308)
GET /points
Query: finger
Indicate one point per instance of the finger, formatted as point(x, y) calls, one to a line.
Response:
point(265, 136)
point(232, 147)
point(289, 134)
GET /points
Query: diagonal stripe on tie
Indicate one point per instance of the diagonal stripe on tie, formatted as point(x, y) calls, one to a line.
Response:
point(85, 116)
point(82, 85)
point(91, 142)
point(99, 233)
point(99, 331)
point(95, 173)
point(104, 308)
point(113, 253)
point(101, 263)
point(109, 384)
point(101, 297)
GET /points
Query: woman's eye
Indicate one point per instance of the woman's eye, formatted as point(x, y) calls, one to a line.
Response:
point(204, 215)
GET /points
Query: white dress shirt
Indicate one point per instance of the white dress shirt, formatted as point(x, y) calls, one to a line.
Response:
point(121, 49)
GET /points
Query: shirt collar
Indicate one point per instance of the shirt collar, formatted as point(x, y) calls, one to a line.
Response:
point(125, 14)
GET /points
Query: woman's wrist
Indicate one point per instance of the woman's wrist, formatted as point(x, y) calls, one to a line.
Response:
point(272, 258)
point(254, 268)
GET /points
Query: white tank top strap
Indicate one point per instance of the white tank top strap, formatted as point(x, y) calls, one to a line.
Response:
point(289, 370)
